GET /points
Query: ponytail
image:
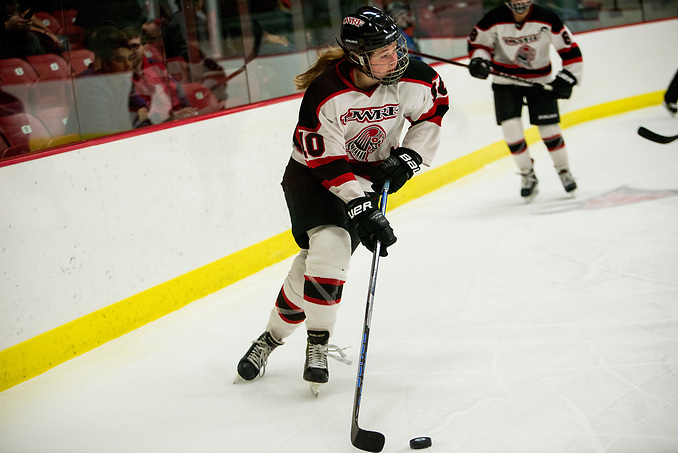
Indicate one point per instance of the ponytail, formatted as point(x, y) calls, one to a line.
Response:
point(327, 58)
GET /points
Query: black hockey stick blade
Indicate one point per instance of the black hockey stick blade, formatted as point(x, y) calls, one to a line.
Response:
point(366, 440)
point(654, 137)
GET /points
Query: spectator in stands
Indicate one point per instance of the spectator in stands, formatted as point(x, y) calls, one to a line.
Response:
point(184, 34)
point(103, 92)
point(16, 37)
point(274, 19)
point(162, 95)
point(115, 13)
point(402, 16)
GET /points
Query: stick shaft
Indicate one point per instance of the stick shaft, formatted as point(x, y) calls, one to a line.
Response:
point(492, 71)
point(360, 438)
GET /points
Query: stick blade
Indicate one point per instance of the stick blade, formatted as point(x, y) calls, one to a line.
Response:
point(367, 440)
point(653, 136)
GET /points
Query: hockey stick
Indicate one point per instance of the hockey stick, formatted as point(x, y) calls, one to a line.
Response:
point(655, 137)
point(362, 438)
point(492, 71)
point(241, 69)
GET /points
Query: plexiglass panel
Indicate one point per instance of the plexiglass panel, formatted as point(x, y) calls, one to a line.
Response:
point(74, 70)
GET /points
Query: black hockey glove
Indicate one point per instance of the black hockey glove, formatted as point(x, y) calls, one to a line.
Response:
point(562, 84)
point(371, 224)
point(400, 166)
point(479, 68)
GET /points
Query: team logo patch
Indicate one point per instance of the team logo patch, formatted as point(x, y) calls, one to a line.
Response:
point(365, 143)
point(520, 40)
point(525, 56)
point(370, 114)
point(353, 21)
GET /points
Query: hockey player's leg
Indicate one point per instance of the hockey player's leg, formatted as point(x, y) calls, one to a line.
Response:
point(326, 269)
point(553, 139)
point(285, 317)
point(515, 139)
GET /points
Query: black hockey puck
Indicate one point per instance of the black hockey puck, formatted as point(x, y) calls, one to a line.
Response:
point(420, 442)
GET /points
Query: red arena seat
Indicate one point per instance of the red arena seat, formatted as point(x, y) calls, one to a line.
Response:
point(49, 21)
point(54, 118)
point(79, 59)
point(50, 66)
point(202, 98)
point(17, 77)
point(16, 70)
point(24, 132)
point(68, 16)
point(53, 86)
point(75, 35)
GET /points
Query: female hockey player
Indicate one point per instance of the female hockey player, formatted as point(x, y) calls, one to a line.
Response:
point(345, 146)
point(515, 39)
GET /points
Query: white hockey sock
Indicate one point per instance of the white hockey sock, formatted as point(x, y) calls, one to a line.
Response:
point(326, 269)
point(515, 139)
point(552, 136)
point(288, 312)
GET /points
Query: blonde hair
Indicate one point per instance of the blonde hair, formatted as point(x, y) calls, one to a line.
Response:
point(326, 58)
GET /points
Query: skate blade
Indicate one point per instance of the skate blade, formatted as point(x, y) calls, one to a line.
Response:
point(315, 388)
point(238, 379)
point(529, 199)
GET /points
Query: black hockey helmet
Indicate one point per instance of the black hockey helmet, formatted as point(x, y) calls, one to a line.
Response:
point(367, 30)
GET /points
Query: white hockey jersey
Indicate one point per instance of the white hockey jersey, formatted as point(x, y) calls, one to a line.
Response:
point(523, 50)
point(344, 132)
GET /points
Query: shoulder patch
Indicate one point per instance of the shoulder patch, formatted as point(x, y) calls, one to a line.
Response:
point(418, 70)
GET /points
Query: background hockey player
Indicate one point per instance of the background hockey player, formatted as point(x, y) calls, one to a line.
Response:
point(671, 96)
point(346, 144)
point(515, 38)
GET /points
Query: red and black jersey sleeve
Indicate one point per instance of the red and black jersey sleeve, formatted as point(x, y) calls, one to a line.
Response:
point(319, 136)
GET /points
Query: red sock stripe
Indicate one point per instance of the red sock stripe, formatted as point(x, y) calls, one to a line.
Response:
point(554, 143)
point(322, 291)
point(324, 302)
point(325, 281)
point(517, 147)
point(287, 311)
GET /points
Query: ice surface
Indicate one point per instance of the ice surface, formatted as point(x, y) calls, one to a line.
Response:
point(497, 327)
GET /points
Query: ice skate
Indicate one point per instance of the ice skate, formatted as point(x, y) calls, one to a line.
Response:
point(253, 363)
point(316, 372)
point(568, 181)
point(530, 188)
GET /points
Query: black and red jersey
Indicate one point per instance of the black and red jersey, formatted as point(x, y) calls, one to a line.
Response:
point(343, 132)
point(524, 49)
